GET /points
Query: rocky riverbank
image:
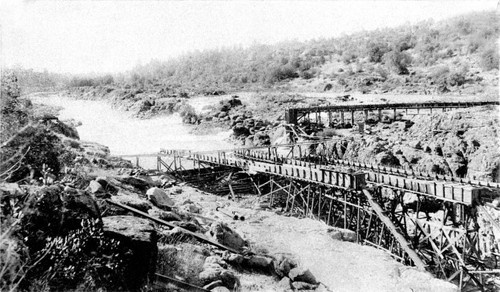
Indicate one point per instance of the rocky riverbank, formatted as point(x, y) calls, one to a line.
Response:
point(457, 143)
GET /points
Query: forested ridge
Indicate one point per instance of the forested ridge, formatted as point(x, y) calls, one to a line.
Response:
point(428, 57)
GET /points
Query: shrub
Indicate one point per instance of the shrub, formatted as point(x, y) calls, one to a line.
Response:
point(489, 58)
point(12, 264)
point(456, 78)
point(307, 74)
point(398, 61)
point(84, 259)
point(282, 73)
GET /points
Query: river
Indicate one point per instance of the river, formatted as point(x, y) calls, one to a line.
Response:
point(126, 135)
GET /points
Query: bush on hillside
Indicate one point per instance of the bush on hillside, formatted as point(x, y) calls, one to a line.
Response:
point(375, 51)
point(398, 61)
point(348, 57)
point(282, 73)
point(489, 58)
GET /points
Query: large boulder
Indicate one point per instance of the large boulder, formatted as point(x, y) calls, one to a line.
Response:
point(261, 139)
point(139, 235)
point(108, 184)
point(182, 260)
point(299, 274)
point(298, 285)
point(214, 273)
point(261, 264)
point(78, 206)
point(342, 234)
point(95, 187)
point(240, 130)
point(129, 199)
point(138, 183)
point(285, 284)
point(160, 198)
point(50, 211)
point(226, 236)
point(283, 265)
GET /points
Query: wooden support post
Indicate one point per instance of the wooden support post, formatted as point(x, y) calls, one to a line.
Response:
point(352, 118)
point(379, 115)
point(137, 161)
point(395, 114)
point(311, 209)
point(308, 197)
point(293, 197)
point(342, 117)
point(272, 194)
point(329, 212)
point(366, 115)
point(329, 118)
point(357, 220)
point(345, 210)
point(319, 203)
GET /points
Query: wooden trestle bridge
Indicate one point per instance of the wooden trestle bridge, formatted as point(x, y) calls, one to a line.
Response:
point(435, 223)
point(340, 114)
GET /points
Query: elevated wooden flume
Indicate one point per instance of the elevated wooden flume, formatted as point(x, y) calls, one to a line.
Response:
point(439, 224)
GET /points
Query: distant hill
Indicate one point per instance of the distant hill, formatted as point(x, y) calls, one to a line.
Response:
point(456, 56)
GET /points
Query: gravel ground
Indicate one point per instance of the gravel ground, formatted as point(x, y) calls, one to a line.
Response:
point(340, 266)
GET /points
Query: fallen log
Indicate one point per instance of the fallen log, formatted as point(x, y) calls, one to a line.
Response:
point(159, 221)
point(179, 283)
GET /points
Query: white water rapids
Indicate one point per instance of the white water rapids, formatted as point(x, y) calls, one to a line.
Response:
point(126, 135)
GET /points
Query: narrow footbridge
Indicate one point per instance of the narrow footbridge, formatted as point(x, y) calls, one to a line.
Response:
point(342, 114)
point(436, 223)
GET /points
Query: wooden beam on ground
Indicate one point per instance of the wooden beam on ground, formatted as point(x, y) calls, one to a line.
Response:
point(181, 284)
point(388, 223)
point(159, 221)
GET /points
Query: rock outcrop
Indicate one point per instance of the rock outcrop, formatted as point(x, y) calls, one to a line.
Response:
point(226, 236)
point(160, 198)
point(139, 235)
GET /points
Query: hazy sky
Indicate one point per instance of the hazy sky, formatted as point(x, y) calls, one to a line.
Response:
point(110, 36)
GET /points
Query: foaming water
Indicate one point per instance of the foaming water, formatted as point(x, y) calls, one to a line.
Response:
point(126, 135)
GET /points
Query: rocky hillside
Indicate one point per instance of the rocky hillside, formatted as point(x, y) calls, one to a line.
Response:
point(457, 56)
